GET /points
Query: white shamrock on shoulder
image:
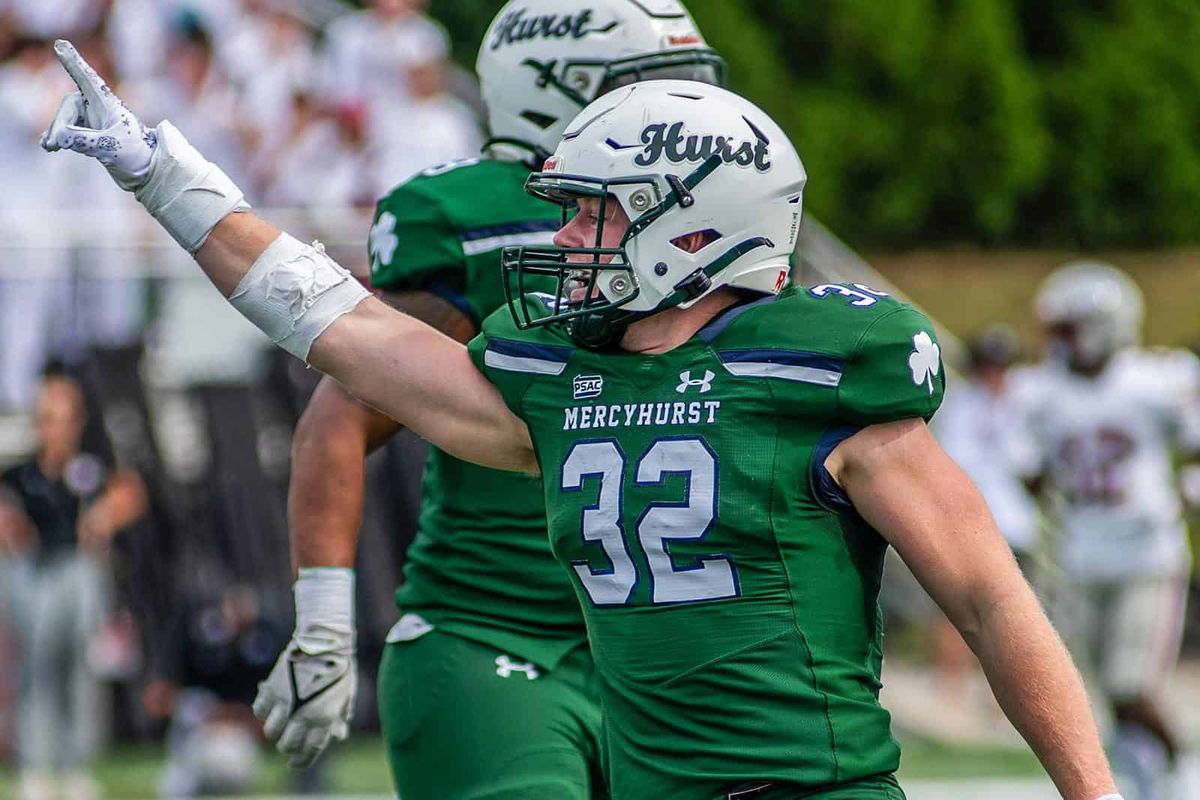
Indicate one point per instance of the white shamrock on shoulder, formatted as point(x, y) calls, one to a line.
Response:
point(925, 361)
point(383, 241)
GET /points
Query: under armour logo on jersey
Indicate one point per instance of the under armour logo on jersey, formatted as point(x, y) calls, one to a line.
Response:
point(505, 667)
point(687, 382)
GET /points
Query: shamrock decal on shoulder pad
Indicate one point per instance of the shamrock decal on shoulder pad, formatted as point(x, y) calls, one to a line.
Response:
point(383, 241)
point(925, 361)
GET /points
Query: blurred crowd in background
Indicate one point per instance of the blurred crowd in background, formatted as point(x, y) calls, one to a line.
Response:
point(314, 107)
point(308, 105)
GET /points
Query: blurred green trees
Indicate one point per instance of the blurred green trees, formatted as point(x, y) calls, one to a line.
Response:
point(1073, 123)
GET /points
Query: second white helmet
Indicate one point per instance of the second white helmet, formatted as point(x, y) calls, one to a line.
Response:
point(1089, 310)
point(542, 61)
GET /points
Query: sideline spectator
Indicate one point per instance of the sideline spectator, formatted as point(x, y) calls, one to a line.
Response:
point(434, 128)
point(322, 164)
point(270, 58)
point(197, 95)
point(32, 276)
point(368, 53)
point(218, 652)
point(59, 511)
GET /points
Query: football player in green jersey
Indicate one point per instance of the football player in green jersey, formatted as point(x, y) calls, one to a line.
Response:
point(486, 687)
point(723, 467)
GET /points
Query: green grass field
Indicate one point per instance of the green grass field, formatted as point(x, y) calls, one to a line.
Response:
point(358, 767)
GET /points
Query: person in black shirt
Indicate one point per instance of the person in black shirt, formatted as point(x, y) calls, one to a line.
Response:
point(58, 513)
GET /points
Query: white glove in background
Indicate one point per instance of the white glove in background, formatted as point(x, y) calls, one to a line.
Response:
point(308, 699)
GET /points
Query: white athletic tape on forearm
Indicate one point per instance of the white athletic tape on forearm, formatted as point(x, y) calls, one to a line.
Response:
point(185, 192)
point(324, 599)
point(294, 291)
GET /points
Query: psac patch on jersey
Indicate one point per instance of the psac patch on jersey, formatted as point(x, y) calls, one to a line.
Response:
point(586, 387)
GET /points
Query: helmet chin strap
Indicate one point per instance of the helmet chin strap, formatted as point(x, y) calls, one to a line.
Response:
point(602, 332)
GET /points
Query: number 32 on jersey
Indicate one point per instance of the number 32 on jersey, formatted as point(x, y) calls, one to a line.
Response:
point(660, 523)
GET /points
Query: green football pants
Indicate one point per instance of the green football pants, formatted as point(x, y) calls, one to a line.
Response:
point(464, 721)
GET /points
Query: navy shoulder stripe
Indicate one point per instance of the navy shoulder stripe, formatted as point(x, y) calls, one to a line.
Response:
point(537, 359)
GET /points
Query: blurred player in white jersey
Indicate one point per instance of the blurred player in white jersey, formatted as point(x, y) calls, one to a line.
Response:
point(1104, 423)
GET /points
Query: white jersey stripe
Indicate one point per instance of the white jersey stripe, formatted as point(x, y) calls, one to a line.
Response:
point(787, 372)
point(474, 248)
point(536, 366)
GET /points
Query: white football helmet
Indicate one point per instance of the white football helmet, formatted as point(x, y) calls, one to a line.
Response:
point(680, 158)
point(1089, 311)
point(542, 61)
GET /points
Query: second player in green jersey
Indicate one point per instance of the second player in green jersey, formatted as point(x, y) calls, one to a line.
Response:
point(480, 565)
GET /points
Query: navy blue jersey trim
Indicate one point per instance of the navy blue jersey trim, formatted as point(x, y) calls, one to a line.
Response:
point(510, 228)
point(793, 358)
point(543, 352)
point(825, 489)
point(717, 325)
point(455, 299)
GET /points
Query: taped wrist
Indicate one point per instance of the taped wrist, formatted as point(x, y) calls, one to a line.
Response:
point(325, 604)
point(294, 291)
point(185, 192)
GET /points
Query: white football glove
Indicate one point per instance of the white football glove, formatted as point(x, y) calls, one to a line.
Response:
point(186, 193)
point(94, 122)
point(308, 699)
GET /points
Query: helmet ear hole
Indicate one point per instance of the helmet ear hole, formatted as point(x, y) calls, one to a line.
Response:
point(695, 241)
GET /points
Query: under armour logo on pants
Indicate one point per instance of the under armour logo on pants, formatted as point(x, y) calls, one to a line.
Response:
point(505, 667)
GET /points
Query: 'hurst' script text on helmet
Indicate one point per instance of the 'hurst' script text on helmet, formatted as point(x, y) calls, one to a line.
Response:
point(515, 27)
point(661, 140)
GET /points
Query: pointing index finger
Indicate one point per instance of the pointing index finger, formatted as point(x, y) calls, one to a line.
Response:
point(95, 91)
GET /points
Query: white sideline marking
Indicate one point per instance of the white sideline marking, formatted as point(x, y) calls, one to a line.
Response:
point(988, 789)
point(992, 789)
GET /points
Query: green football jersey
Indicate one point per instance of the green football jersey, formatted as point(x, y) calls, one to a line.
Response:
point(480, 566)
point(729, 587)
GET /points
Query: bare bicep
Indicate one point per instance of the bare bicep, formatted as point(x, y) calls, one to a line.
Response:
point(426, 381)
point(906, 487)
